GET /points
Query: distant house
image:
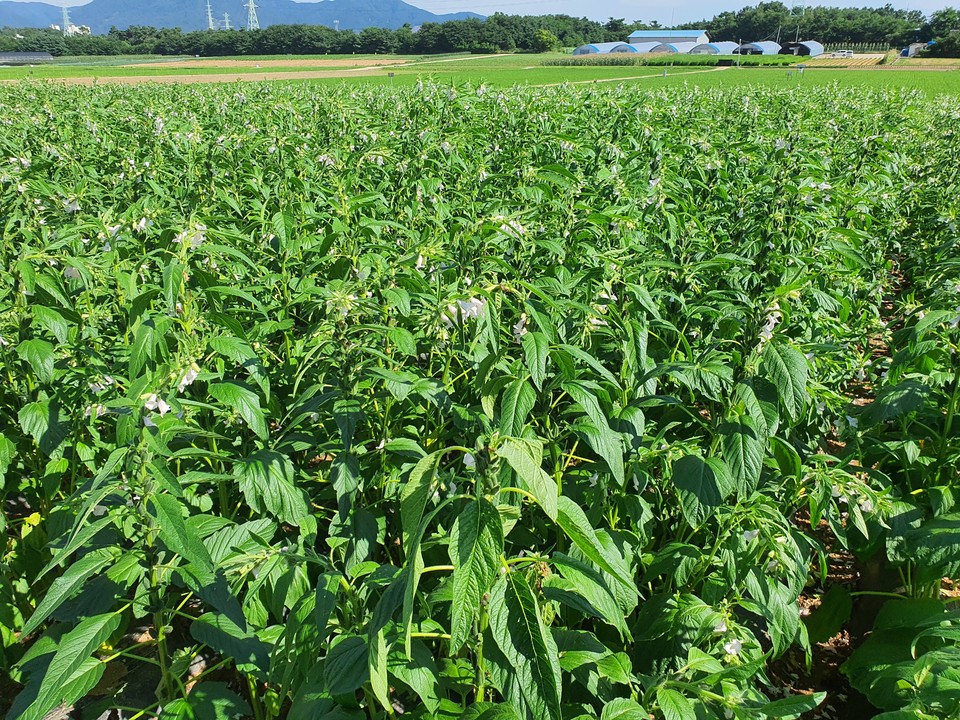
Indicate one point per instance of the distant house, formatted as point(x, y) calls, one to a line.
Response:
point(668, 36)
point(764, 47)
point(714, 48)
point(24, 58)
point(806, 48)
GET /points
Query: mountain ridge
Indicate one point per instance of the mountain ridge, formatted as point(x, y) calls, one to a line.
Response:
point(101, 15)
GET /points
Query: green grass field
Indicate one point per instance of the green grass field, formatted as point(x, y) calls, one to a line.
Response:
point(494, 71)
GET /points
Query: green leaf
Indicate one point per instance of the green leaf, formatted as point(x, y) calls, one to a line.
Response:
point(515, 404)
point(8, 452)
point(476, 544)
point(38, 354)
point(74, 577)
point(43, 421)
point(893, 401)
point(242, 354)
point(52, 321)
point(346, 668)
point(587, 583)
point(71, 669)
point(266, 479)
point(420, 673)
point(831, 615)
point(675, 706)
point(519, 633)
point(239, 397)
point(490, 711)
point(624, 709)
point(616, 667)
point(175, 533)
point(416, 492)
point(743, 454)
point(207, 701)
point(220, 633)
point(577, 527)
point(525, 457)
point(702, 486)
point(377, 667)
point(787, 369)
point(792, 706)
point(536, 350)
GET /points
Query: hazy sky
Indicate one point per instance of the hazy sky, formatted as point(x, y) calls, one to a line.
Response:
point(666, 12)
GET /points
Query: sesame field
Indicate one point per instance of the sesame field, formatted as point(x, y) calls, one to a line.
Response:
point(450, 399)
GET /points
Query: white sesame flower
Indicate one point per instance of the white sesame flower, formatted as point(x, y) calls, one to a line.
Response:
point(469, 460)
point(156, 403)
point(192, 373)
point(720, 628)
point(142, 224)
point(852, 422)
point(733, 647)
point(771, 566)
point(71, 273)
point(750, 535)
point(520, 329)
point(866, 505)
point(71, 206)
point(3, 341)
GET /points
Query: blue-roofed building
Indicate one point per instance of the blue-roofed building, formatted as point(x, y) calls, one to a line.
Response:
point(668, 36)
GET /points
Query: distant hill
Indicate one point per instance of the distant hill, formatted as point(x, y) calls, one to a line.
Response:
point(187, 15)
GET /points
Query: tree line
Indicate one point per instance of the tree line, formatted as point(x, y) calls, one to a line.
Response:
point(503, 33)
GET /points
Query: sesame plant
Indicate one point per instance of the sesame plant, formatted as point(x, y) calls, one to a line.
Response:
point(450, 402)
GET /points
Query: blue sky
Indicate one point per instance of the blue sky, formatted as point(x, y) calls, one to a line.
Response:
point(676, 11)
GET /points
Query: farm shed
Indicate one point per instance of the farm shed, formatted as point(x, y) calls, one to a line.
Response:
point(764, 47)
point(681, 48)
point(668, 36)
point(809, 48)
point(714, 48)
point(24, 58)
point(626, 48)
point(638, 47)
point(593, 48)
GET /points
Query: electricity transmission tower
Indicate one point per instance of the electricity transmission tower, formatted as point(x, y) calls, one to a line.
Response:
point(66, 20)
point(252, 22)
point(211, 25)
point(226, 22)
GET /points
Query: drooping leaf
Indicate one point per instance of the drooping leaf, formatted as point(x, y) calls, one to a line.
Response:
point(702, 486)
point(675, 706)
point(743, 454)
point(346, 667)
point(38, 354)
point(525, 457)
point(518, 630)
point(476, 544)
point(239, 397)
point(72, 671)
point(536, 351)
point(207, 701)
point(577, 527)
point(73, 578)
point(787, 369)
point(416, 492)
point(267, 481)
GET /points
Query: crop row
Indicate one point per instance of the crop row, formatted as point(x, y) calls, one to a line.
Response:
point(452, 402)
